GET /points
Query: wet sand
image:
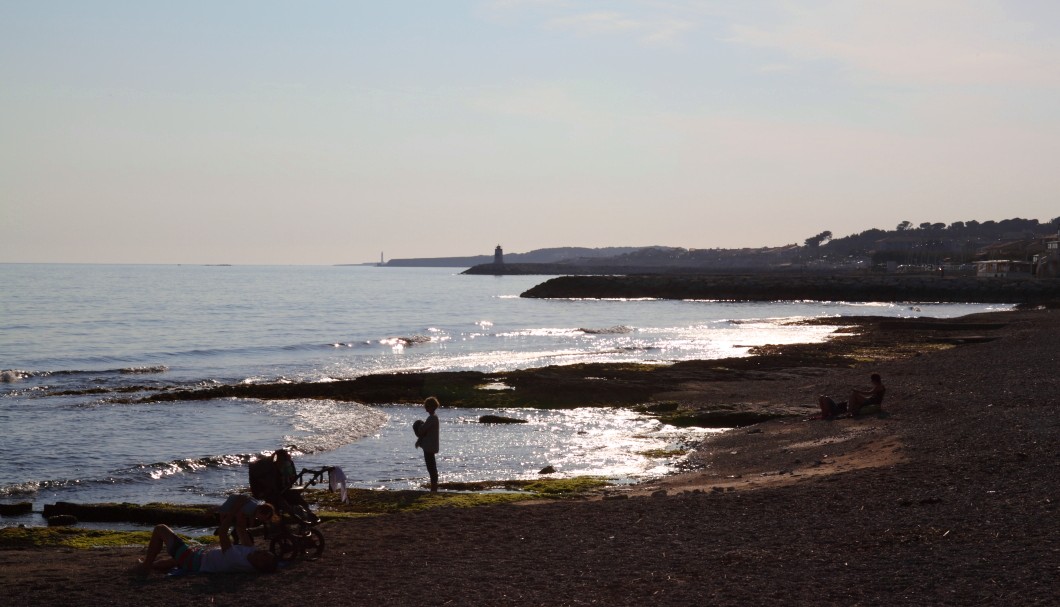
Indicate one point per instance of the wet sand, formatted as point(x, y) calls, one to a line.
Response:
point(947, 498)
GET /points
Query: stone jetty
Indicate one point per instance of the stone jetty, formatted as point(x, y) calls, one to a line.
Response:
point(773, 287)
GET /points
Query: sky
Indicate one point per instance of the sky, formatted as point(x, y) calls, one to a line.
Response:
point(326, 132)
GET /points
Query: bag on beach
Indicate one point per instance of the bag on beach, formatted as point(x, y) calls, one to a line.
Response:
point(416, 426)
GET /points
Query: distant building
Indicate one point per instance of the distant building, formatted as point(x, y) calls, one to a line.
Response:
point(1003, 268)
point(1047, 265)
point(498, 256)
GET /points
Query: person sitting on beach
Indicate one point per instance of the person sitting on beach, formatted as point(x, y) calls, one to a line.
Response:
point(242, 510)
point(224, 558)
point(865, 398)
point(858, 400)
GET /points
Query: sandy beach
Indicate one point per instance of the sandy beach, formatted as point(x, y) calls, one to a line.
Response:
point(947, 498)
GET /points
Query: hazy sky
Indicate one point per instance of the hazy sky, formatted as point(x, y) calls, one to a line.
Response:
point(255, 131)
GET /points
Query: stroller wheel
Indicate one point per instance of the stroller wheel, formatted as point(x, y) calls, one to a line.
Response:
point(313, 545)
point(284, 548)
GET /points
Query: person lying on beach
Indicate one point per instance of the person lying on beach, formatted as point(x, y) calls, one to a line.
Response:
point(242, 510)
point(858, 400)
point(225, 558)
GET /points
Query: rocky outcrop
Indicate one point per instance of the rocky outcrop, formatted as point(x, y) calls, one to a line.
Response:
point(150, 514)
point(16, 509)
point(774, 287)
point(499, 419)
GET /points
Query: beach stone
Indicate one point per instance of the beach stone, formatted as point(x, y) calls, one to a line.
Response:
point(550, 469)
point(62, 520)
point(16, 509)
point(659, 493)
point(500, 419)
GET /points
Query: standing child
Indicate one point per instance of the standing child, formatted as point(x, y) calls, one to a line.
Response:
point(428, 439)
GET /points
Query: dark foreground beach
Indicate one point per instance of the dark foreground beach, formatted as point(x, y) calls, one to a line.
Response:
point(947, 498)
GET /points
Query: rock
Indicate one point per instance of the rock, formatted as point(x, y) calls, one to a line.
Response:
point(16, 509)
point(547, 470)
point(659, 493)
point(151, 514)
point(500, 419)
point(60, 520)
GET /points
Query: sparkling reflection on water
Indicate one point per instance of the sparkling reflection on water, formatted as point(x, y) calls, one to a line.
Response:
point(178, 460)
point(607, 442)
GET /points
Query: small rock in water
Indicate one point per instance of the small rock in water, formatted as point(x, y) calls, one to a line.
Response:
point(500, 419)
point(547, 470)
point(60, 520)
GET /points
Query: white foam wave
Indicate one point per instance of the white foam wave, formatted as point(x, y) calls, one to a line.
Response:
point(20, 489)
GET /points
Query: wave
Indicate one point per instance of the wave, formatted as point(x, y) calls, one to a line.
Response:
point(139, 473)
point(159, 470)
point(13, 375)
point(28, 489)
point(411, 340)
point(616, 330)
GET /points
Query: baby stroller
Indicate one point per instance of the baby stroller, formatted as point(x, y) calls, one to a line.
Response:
point(295, 536)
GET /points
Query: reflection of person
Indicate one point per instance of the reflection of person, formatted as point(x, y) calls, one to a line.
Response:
point(428, 439)
point(224, 558)
point(242, 510)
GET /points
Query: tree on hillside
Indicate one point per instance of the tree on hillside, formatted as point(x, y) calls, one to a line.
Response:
point(905, 225)
point(818, 240)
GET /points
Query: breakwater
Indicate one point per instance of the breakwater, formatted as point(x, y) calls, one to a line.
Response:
point(777, 287)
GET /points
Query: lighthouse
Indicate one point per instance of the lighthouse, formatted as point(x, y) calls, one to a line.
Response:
point(498, 256)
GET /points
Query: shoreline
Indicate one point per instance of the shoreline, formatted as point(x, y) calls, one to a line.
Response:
point(712, 393)
point(945, 498)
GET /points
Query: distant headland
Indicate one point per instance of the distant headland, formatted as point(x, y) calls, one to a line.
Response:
point(1023, 247)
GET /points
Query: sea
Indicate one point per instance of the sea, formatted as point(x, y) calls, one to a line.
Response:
point(80, 343)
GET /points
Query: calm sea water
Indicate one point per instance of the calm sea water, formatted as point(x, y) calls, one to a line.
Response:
point(70, 328)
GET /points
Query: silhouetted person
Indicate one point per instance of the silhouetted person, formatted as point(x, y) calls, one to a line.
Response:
point(428, 439)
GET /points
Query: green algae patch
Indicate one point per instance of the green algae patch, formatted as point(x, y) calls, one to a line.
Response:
point(535, 489)
point(69, 537)
point(367, 502)
point(657, 408)
point(663, 453)
point(147, 514)
point(563, 487)
point(79, 538)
